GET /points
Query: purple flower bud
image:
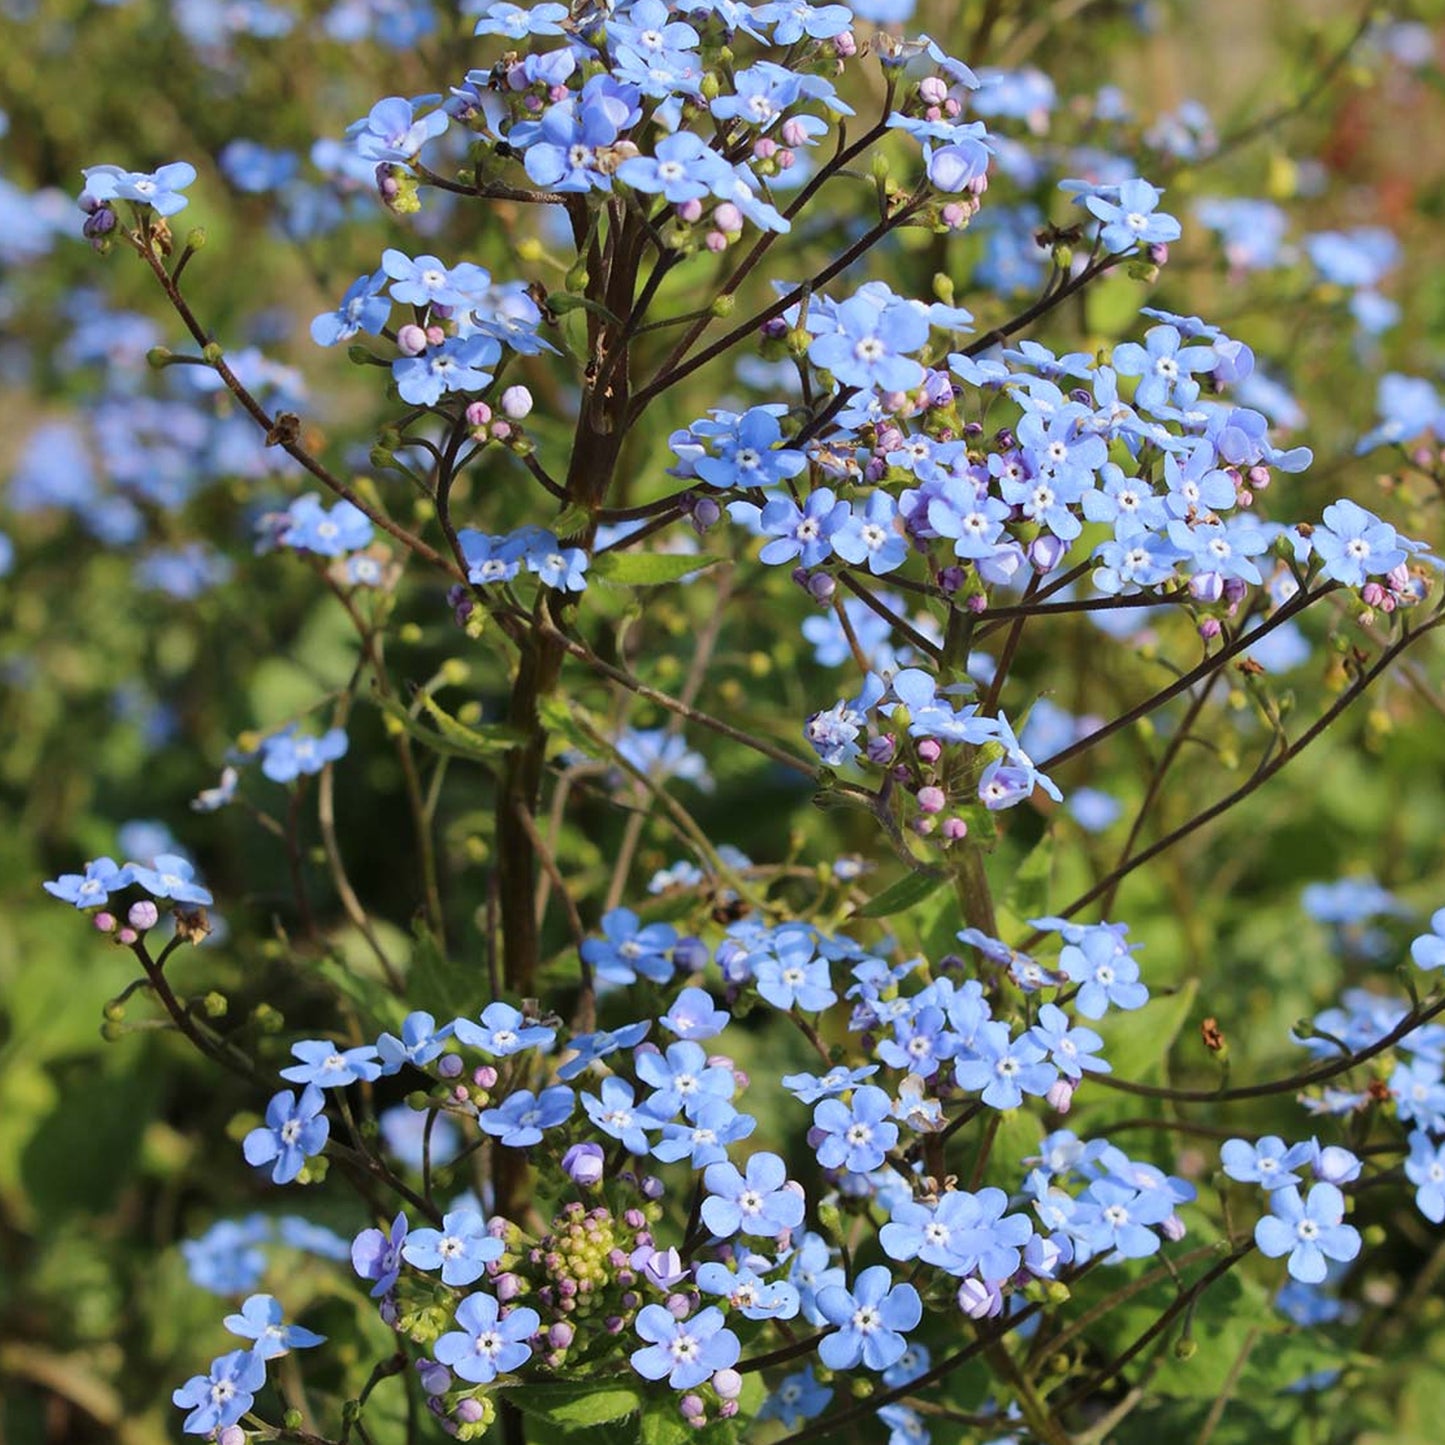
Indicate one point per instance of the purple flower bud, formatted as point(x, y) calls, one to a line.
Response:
point(979, 1301)
point(774, 328)
point(231, 1435)
point(692, 1409)
point(436, 1379)
point(1235, 590)
point(690, 954)
point(977, 603)
point(821, 587)
point(1173, 1229)
point(930, 750)
point(484, 1077)
point(846, 45)
point(661, 1267)
point(1046, 551)
point(1336, 1165)
point(614, 1324)
point(652, 1187)
point(932, 799)
point(449, 1066)
point(1159, 253)
point(1210, 628)
point(705, 513)
point(880, 750)
point(951, 578)
point(1060, 1095)
point(100, 222)
point(728, 1384)
point(635, 1219)
point(516, 402)
point(561, 1335)
point(143, 915)
point(507, 1287)
point(678, 1306)
point(954, 829)
point(1206, 586)
point(584, 1164)
point(469, 1411)
point(1259, 477)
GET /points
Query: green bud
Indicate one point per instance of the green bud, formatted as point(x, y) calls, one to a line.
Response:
point(723, 306)
point(112, 1031)
point(213, 352)
point(215, 1005)
point(159, 356)
point(382, 459)
point(860, 1387)
point(114, 1011)
point(196, 238)
point(1185, 1348)
point(268, 1019)
point(293, 1420)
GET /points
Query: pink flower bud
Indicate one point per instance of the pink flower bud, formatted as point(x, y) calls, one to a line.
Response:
point(692, 1409)
point(127, 936)
point(411, 339)
point(501, 430)
point(846, 45)
point(1209, 629)
point(765, 148)
point(979, 1301)
point(478, 414)
point(715, 241)
point(954, 829)
point(932, 90)
point(1173, 1229)
point(930, 750)
point(1060, 1095)
point(690, 211)
point(727, 217)
point(484, 1076)
point(435, 335)
point(104, 922)
point(932, 799)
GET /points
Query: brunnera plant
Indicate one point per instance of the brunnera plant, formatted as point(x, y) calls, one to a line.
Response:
point(770, 1151)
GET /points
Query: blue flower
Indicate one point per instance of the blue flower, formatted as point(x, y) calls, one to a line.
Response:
point(1132, 218)
point(170, 876)
point(1164, 366)
point(962, 1233)
point(462, 1248)
point(1270, 1163)
point(311, 528)
point(487, 1343)
point(1114, 1217)
point(488, 559)
point(392, 130)
point(808, 1088)
point(1072, 1050)
point(363, 308)
point(505, 1031)
point(858, 1135)
point(514, 22)
point(428, 281)
point(804, 532)
point(1425, 1168)
point(261, 1320)
point(749, 454)
point(629, 948)
point(752, 1296)
point(378, 1256)
point(790, 975)
point(798, 1397)
point(285, 756)
point(763, 1201)
point(520, 1120)
point(682, 169)
point(586, 1049)
point(617, 1115)
point(1107, 973)
point(293, 1132)
point(683, 1078)
point(703, 1139)
point(457, 365)
point(421, 1041)
point(693, 1016)
point(872, 535)
point(222, 1397)
point(1428, 951)
point(1354, 544)
point(684, 1352)
point(872, 1318)
point(1310, 1231)
point(161, 191)
point(327, 1067)
point(869, 346)
point(90, 889)
point(1003, 1069)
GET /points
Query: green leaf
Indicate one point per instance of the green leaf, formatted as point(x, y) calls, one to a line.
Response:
point(1137, 1044)
point(647, 569)
point(436, 984)
point(450, 737)
point(1028, 896)
point(574, 1407)
point(910, 889)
